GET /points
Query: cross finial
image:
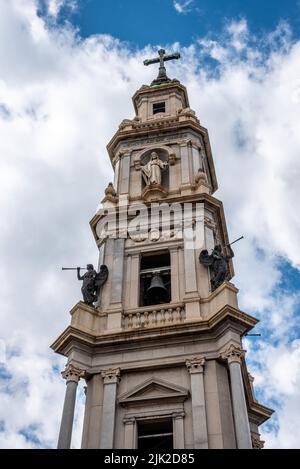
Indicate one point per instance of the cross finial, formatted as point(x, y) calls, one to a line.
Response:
point(162, 74)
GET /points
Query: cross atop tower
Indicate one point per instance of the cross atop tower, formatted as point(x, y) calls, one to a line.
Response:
point(162, 73)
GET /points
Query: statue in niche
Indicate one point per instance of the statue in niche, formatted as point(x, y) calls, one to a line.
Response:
point(152, 170)
point(218, 264)
point(92, 283)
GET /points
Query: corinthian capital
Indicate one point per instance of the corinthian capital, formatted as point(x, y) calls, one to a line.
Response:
point(195, 364)
point(257, 443)
point(72, 373)
point(233, 353)
point(112, 375)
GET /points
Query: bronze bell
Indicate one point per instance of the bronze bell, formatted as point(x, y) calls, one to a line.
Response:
point(157, 291)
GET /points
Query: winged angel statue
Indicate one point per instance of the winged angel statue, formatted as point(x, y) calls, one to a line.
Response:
point(92, 283)
point(218, 264)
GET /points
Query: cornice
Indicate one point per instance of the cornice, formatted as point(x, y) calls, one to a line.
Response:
point(147, 129)
point(203, 327)
point(148, 90)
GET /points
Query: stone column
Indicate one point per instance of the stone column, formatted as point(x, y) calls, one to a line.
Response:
point(234, 355)
point(178, 430)
point(135, 281)
point(110, 379)
point(72, 375)
point(175, 277)
point(124, 174)
point(196, 369)
point(184, 162)
point(93, 413)
point(114, 316)
point(197, 163)
point(191, 296)
point(129, 433)
point(117, 271)
point(116, 175)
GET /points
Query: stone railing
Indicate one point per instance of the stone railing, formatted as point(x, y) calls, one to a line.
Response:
point(159, 315)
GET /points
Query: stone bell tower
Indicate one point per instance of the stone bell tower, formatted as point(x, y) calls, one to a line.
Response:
point(160, 350)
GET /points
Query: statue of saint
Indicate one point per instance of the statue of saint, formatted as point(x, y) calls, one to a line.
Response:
point(92, 282)
point(153, 169)
point(218, 264)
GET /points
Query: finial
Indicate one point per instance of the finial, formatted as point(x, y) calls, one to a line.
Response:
point(162, 73)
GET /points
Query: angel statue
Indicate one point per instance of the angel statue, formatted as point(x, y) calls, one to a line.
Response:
point(218, 264)
point(152, 170)
point(92, 283)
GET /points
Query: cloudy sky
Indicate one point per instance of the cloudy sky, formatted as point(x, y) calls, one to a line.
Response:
point(68, 69)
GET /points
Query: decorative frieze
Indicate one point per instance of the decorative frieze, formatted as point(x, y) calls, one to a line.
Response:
point(150, 140)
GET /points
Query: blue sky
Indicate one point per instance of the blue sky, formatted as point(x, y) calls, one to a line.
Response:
point(158, 22)
point(64, 89)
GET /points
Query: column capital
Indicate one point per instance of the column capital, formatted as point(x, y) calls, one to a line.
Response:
point(257, 443)
point(184, 141)
point(111, 375)
point(233, 353)
point(180, 414)
point(129, 420)
point(72, 373)
point(195, 364)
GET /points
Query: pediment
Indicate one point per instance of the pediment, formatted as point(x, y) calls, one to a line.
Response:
point(154, 390)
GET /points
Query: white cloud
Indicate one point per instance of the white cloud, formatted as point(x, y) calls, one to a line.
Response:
point(238, 30)
point(183, 6)
point(279, 376)
point(55, 6)
point(62, 99)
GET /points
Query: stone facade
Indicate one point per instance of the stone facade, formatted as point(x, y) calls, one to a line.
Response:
point(181, 361)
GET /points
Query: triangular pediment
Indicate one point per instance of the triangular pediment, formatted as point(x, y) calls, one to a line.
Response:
point(154, 390)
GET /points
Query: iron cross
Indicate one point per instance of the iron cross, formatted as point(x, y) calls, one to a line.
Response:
point(162, 74)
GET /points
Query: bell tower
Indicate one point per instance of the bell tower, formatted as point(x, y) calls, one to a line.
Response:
point(160, 348)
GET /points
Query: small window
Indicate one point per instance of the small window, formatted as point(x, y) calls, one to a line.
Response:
point(155, 435)
point(159, 107)
point(155, 279)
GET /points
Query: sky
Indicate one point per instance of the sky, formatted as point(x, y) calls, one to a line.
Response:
point(68, 70)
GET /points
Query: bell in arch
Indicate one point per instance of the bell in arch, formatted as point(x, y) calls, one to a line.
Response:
point(157, 292)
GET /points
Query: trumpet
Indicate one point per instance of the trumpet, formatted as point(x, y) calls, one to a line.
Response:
point(73, 268)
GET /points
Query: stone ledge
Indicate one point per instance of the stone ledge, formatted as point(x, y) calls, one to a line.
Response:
point(93, 339)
